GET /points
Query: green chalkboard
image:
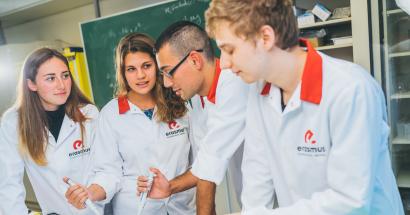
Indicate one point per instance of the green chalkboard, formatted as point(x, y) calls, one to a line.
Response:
point(101, 36)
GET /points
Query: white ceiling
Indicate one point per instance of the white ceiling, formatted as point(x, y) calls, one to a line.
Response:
point(15, 12)
point(11, 6)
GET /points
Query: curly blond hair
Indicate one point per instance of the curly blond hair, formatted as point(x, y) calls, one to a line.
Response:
point(248, 16)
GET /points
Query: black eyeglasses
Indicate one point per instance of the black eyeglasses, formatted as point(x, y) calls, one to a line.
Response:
point(171, 72)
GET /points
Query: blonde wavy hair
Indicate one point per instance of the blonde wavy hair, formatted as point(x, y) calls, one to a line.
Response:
point(248, 16)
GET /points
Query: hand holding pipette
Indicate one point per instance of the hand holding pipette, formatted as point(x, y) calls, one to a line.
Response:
point(88, 203)
point(144, 195)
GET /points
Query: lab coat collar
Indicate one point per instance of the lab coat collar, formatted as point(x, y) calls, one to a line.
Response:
point(312, 77)
point(67, 127)
point(274, 99)
point(212, 92)
point(125, 106)
point(266, 89)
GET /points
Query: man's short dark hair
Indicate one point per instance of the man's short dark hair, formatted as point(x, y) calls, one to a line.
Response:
point(183, 37)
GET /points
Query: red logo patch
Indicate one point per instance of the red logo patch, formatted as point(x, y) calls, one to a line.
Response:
point(173, 125)
point(77, 144)
point(308, 137)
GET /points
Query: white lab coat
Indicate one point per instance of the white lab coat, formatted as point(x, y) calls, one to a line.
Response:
point(326, 153)
point(63, 160)
point(130, 143)
point(223, 113)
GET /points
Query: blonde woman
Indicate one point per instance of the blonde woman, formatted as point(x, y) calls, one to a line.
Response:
point(145, 126)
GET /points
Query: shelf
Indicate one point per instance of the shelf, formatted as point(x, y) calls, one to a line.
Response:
point(396, 11)
point(403, 178)
point(400, 140)
point(399, 54)
point(321, 48)
point(405, 95)
point(326, 23)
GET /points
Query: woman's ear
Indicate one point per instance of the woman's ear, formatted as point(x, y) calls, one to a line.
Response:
point(267, 37)
point(31, 85)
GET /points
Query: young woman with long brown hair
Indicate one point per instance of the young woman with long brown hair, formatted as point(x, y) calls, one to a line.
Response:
point(48, 133)
point(145, 126)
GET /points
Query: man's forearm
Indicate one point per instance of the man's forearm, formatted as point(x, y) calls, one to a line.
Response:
point(205, 197)
point(183, 182)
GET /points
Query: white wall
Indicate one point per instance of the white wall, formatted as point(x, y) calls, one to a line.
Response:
point(11, 60)
point(65, 26)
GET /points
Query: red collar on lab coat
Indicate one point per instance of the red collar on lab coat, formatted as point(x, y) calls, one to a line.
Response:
point(123, 105)
point(312, 78)
point(212, 92)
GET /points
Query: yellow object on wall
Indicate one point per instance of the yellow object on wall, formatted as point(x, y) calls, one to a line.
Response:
point(78, 68)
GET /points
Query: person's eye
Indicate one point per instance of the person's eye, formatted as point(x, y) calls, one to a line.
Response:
point(130, 69)
point(227, 50)
point(230, 51)
point(147, 66)
point(164, 71)
point(66, 75)
point(50, 78)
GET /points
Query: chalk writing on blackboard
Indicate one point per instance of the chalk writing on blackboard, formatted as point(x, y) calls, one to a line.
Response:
point(136, 28)
point(176, 6)
point(101, 37)
point(194, 18)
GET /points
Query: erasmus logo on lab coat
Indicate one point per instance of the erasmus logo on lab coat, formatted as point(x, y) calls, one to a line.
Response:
point(175, 130)
point(173, 125)
point(311, 147)
point(79, 149)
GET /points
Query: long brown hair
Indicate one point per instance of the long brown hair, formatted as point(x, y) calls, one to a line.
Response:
point(169, 105)
point(32, 118)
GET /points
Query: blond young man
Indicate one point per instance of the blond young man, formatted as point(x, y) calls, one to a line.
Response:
point(316, 126)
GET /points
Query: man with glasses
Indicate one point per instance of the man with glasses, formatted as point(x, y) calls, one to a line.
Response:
point(186, 60)
point(171, 72)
